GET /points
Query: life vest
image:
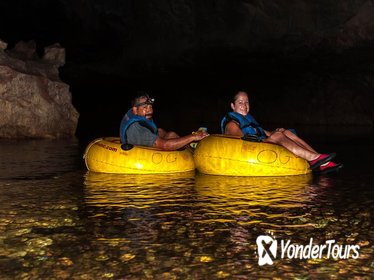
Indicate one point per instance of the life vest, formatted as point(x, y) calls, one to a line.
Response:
point(247, 124)
point(129, 118)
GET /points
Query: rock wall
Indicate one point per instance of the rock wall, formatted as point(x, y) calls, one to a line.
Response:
point(34, 102)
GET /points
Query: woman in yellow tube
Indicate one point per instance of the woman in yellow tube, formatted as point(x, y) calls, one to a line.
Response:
point(239, 122)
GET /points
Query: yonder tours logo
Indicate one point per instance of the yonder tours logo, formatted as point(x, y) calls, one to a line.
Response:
point(267, 250)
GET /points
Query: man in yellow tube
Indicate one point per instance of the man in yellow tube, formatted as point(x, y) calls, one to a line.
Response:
point(137, 128)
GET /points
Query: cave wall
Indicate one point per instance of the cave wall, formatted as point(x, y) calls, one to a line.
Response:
point(307, 62)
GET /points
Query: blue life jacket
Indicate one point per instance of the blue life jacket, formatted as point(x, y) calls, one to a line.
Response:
point(247, 124)
point(129, 118)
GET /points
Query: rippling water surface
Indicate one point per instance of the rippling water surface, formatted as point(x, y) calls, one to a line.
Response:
point(59, 221)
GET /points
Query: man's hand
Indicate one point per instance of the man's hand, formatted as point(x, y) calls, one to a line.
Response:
point(200, 134)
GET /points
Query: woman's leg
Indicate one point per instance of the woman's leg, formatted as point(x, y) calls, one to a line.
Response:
point(281, 139)
point(299, 141)
point(315, 159)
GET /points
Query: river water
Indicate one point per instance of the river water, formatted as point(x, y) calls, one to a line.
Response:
point(59, 221)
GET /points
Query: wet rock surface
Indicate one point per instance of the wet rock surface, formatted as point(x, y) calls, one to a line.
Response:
point(34, 102)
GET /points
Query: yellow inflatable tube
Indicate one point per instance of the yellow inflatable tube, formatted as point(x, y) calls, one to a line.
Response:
point(232, 156)
point(106, 155)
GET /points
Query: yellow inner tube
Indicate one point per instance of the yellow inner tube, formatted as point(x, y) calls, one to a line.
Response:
point(229, 155)
point(106, 155)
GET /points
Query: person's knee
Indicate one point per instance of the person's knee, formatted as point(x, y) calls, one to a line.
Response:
point(279, 134)
point(287, 132)
point(276, 137)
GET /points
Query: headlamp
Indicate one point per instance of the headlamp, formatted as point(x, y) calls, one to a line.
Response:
point(148, 101)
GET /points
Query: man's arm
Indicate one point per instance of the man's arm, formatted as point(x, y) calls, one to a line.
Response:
point(167, 135)
point(177, 143)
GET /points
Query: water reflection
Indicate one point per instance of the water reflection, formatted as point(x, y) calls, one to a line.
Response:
point(193, 224)
point(142, 220)
point(125, 190)
point(58, 221)
point(253, 191)
point(142, 204)
point(187, 225)
point(203, 198)
point(40, 158)
point(255, 200)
